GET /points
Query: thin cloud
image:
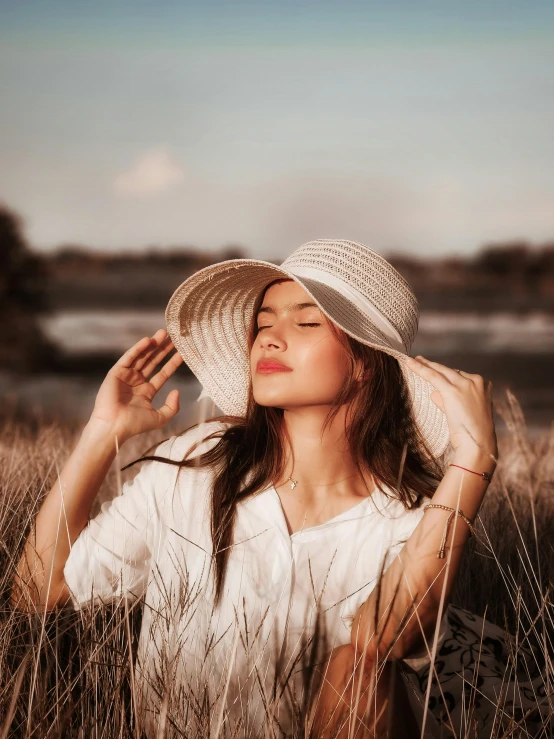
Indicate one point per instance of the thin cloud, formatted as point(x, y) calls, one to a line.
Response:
point(154, 172)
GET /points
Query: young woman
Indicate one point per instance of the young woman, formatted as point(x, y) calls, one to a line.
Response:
point(291, 568)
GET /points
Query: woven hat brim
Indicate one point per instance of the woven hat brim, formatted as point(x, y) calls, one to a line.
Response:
point(209, 315)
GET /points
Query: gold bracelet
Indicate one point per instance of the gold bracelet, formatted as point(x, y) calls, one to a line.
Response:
point(440, 554)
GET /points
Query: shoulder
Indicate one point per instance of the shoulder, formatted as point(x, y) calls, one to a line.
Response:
point(159, 473)
point(193, 441)
point(171, 485)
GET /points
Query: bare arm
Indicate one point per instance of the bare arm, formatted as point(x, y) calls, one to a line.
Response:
point(416, 577)
point(123, 409)
point(62, 516)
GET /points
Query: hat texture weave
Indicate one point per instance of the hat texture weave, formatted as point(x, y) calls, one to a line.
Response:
point(209, 315)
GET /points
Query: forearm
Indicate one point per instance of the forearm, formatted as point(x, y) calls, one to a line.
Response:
point(416, 577)
point(61, 518)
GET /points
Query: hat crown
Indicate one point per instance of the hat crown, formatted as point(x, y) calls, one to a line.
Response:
point(367, 272)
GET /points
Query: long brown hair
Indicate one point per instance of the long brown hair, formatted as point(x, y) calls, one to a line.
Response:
point(380, 430)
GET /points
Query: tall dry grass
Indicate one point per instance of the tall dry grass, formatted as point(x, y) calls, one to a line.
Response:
point(70, 674)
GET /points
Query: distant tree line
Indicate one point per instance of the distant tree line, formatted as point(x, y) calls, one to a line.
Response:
point(514, 276)
point(506, 276)
point(511, 276)
point(505, 259)
point(75, 257)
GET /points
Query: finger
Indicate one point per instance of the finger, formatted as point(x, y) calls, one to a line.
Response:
point(166, 371)
point(127, 359)
point(155, 341)
point(171, 407)
point(451, 374)
point(437, 378)
point(147, 363)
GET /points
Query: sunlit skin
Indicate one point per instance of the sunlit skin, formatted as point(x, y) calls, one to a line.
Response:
point(328, 481)
point(301, 339)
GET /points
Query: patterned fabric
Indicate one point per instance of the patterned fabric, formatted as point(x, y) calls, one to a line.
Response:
point(482, 682)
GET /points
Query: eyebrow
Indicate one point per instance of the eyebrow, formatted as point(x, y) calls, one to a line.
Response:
point(288, 307)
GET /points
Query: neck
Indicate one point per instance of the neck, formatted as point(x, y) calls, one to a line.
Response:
point(321, 464)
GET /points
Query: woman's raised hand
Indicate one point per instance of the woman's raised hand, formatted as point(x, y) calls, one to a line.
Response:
point(124, 401)
point(466, 400)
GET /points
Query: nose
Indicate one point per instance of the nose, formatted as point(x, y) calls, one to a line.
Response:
point(271, 338)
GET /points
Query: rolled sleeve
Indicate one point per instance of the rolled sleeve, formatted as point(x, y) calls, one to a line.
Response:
point(112, 557)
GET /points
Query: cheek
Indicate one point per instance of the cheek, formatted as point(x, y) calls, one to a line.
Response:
point(325, 359)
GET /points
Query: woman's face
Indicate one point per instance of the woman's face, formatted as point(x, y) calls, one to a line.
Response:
point(300, 338)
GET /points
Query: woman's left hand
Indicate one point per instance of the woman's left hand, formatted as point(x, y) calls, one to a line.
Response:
point(466, 400)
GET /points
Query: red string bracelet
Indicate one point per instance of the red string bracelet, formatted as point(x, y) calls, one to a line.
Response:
point(485, 475)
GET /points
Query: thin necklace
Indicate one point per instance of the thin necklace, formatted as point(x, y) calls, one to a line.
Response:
point(294, 483)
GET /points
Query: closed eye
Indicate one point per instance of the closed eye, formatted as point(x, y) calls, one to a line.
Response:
point(300, 324)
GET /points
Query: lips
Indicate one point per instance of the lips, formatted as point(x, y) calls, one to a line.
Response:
point(271, 365)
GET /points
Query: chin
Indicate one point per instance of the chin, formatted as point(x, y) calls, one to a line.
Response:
point(276, 400)
point(283, 402)
point(270, 402)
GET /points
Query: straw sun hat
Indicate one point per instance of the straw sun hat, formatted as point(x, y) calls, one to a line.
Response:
point(209, 315)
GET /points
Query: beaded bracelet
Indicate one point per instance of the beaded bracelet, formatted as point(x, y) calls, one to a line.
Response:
point(440, 554)
point(486, 476)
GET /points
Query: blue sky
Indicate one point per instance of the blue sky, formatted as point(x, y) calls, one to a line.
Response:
point(417, 127)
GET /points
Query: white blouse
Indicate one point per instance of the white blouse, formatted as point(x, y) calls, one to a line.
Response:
point(287, 600)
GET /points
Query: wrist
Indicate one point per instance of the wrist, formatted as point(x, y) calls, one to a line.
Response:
point(102, 432)
point(475, 459)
